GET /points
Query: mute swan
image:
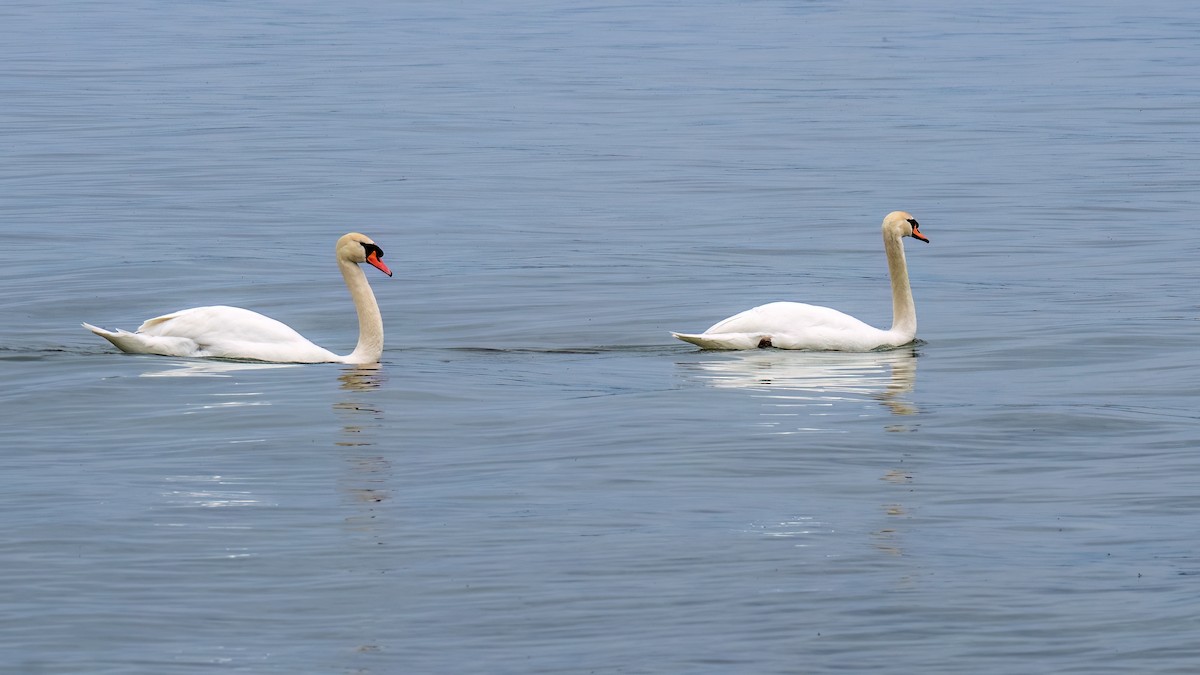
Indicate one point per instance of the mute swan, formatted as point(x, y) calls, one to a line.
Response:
point(794, 325)
point(236, 333)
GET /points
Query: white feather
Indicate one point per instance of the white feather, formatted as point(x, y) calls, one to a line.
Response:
point(236, 333)
point(795, 325)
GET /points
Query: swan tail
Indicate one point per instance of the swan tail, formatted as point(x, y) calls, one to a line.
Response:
point(137, 343)
point(726, 340)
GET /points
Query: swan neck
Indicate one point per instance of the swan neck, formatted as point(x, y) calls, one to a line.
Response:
point(904, 311)
point(370, 321)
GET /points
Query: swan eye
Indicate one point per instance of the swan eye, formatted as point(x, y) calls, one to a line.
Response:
point(914, 223)
point(368, 249)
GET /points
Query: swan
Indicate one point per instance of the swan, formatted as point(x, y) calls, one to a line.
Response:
point(794, 325)
point(236, 333)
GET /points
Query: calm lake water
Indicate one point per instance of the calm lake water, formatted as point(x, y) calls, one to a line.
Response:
point(537, 478)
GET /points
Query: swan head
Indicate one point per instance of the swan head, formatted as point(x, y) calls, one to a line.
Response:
point(358, 248)
point(902, 224)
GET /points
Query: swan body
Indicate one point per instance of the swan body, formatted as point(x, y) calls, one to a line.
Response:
point(236, 333)
point(795, 325)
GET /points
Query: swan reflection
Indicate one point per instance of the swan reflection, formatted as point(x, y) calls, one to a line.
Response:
point(368, 479)
point(789, 380)
point(363, 377)
point(208, 368)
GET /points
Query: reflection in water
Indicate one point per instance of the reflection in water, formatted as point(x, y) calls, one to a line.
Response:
point(204, 491)
point(790, 380)
point(207, 491)
point(886, 539)
point(185, 492)
point(367, 478)
point(212, 368)
point(370, 472)
point(207, 368)
point(363, 378)
point(799, 389)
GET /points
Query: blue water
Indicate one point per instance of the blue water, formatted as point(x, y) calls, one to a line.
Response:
point(537, 478)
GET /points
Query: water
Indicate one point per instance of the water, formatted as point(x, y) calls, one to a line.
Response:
point(537, 478)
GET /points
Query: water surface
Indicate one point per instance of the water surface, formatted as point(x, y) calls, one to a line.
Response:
point(537, 478)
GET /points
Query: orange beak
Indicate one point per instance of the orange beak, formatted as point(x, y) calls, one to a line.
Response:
point(917, 235)
point(373, 258)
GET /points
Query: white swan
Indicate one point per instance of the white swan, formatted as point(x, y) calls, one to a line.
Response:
point(794, 325)
point(236, 333)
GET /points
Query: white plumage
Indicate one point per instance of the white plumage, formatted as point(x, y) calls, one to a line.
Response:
point(236, 333)
point(795, 325)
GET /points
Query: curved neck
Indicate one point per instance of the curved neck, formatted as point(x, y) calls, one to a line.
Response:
point(370, 322)
point(904, 312)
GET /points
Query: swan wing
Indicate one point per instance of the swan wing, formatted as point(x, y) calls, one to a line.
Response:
point(136, 343)
point(210, 324)
point(784, 317)
point(791, 325)
point(233, 332)
point(725, 340)
point(220, 332)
